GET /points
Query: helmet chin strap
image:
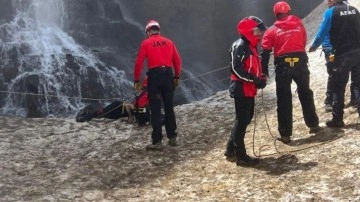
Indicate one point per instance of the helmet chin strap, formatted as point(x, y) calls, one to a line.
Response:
point(282, 15)
point(150, 32)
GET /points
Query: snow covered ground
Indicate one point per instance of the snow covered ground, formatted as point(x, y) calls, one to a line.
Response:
point(61, 160)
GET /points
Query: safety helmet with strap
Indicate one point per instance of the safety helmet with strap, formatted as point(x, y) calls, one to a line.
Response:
point(150, 24)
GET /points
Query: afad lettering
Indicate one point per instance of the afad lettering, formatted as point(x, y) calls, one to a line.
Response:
point(158, 43)
point(352, 12)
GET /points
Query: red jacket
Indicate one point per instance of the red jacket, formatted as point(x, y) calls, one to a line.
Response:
point(142, 100)
point(159, 51)
point(287, 35)
point(252, 65)
point(245, 61)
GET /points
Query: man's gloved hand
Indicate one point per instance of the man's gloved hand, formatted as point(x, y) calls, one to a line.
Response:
point(176, 82)
point(312, 49)
point(261, 82)
point(137, 85)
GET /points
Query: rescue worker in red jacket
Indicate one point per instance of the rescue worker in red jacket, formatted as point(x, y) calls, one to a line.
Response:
point(246, 78)
point(164, 69)
point(288, 39)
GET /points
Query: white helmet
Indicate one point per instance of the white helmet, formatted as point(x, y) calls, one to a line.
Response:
point(150, 24)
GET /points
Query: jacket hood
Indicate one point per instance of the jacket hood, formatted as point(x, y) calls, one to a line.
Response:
point(288, 22)
point(245, 29)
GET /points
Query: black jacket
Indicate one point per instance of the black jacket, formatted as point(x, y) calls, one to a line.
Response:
point(345, 28)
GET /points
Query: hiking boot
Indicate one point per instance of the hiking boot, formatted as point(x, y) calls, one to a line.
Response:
point(247, 161)
point(335, 124)
point(315, 129)
point(155, 147)
point(284, 139)
point(172, 142)
point(230, 156)
point(328, 108)
point(229, 153)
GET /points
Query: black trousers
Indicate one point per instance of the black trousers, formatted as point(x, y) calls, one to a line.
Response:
point(300, 73)
point(331, 83)
point(244, 108)
point(342, 66)
point(161, 89)
point(354, 74)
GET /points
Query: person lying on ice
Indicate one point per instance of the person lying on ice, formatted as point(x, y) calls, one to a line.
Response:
point(136, 111)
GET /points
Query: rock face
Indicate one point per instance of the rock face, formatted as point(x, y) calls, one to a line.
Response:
point(6, 11)
point(101, 26)
point(83, 48)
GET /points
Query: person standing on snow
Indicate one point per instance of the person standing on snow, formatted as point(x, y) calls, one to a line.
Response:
point(246, 78)
point(162, 57)
point(327, 49)
point(288, 39)
point(342, 23)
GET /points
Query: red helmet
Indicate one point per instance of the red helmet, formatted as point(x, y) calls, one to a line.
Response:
point(281, 7)
point(152, 23)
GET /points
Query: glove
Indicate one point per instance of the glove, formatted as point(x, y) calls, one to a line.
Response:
point(176, 82)
point(261, 82)
point(312, 49)
point(137, 86)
